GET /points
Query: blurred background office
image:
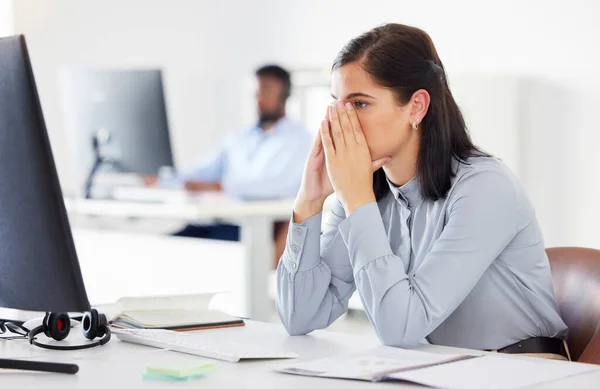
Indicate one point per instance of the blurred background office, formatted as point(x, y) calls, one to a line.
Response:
point(524, 72)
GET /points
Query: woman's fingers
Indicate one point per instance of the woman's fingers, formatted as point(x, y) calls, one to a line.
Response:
point(326, 140)
point(337, 134)
point(344, 121)
point(317, 145)
point(353, 118)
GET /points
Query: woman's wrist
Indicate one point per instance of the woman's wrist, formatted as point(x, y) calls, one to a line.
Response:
point(305, 209)
point(353, 204)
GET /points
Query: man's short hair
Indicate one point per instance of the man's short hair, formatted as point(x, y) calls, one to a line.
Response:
point(279, 73)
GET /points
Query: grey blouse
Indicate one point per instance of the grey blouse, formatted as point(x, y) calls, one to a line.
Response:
point(468, 270)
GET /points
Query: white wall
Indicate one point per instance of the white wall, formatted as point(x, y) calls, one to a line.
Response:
point(6, 18)
point(208, 47)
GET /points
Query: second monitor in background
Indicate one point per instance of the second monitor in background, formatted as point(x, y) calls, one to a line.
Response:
point(117, 120)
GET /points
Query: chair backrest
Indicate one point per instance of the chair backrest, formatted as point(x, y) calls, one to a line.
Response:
point(576, 279)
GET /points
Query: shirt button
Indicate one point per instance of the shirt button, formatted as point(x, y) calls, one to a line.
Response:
point(298, 231)
point(293, 265)
point(295, 249)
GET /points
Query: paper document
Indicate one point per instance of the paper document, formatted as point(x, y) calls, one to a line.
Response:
point(493, 372)
point(442, 371)
point(374, 365)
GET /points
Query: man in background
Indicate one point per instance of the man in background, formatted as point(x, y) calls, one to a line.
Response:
point(264, 162)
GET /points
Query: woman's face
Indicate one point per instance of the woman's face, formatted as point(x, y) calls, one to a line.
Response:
point(385, 123)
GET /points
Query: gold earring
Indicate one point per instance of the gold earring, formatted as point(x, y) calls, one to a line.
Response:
point(414, 126)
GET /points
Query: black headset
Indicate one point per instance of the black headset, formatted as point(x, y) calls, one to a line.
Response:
point(58, 325)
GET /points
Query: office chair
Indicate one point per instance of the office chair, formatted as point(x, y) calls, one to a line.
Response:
point(576, 279)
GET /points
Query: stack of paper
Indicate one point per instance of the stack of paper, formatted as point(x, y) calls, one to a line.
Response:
point(175, 319)
point(186, 312)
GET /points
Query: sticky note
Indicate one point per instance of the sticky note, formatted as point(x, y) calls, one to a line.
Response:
point(182, 371)
point(160, 377)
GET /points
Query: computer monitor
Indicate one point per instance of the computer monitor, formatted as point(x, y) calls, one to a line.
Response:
point(117, 119)
point(39, 270)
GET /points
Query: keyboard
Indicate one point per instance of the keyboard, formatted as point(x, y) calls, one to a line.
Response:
point(200, 345)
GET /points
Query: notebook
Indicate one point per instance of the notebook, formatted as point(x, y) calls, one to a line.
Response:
point(495, 372)
point(175, 319)
point(180, 313)
point(443, 371)
point(374, 365)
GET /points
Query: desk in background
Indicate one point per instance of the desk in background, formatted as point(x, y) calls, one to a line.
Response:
point(255, 218)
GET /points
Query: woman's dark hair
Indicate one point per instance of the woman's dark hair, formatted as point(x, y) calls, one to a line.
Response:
point(404, 59)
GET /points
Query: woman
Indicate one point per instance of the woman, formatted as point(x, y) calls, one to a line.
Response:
point(440, 241)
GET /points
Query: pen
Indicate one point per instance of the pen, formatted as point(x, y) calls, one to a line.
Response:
point(51, 367)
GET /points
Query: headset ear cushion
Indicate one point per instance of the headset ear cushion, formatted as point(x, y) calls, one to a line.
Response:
point(93, 324)
point(102, 321)
point(57, 325)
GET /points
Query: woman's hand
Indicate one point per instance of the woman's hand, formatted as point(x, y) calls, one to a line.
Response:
point(315, 185)
point(347, 157)
point(315, 181)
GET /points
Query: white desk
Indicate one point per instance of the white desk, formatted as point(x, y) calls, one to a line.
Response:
point(121, 365)
point(255, 219)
